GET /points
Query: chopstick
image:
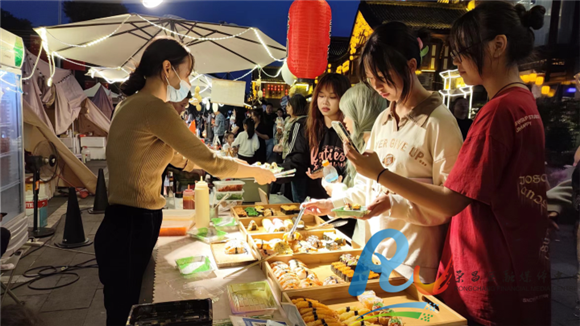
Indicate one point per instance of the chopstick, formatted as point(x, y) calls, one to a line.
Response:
point(252, 265)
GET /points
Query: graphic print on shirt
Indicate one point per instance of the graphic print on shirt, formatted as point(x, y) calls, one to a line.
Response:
point(394, 144)
point(531, 188)
point(333, 154)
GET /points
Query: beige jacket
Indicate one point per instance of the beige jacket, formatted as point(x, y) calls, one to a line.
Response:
point(423, 146)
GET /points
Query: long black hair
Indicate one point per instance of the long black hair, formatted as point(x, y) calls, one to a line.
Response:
point(299, 105)
point(151, 63)
point(259, 113)
point(471, 31)
point(387, 51)
point(249, 123)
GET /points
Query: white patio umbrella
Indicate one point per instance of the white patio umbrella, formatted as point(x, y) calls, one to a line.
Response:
point(116, 43)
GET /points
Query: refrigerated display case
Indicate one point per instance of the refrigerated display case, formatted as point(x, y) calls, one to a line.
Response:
point(12, 201)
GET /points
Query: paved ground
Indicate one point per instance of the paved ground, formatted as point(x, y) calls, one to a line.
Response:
point(81, 304)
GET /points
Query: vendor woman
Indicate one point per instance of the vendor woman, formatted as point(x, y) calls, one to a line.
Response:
point(142, 140)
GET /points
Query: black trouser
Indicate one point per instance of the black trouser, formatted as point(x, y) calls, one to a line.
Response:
point(4, 240)
point(123, 247)
point(249, 160)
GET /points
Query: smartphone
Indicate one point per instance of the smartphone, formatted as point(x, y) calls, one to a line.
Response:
point(343, 133)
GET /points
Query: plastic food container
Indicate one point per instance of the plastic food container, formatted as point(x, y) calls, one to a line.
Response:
point(249, 298)
point(226, 224)
point(173, 228)
point(227, 186)
point(194, 266)
point(341, 212)
point(234, 195)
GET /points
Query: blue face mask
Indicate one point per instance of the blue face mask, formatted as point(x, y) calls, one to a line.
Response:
point(177, 95)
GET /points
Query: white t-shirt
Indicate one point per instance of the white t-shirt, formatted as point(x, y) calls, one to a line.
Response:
point(247, 146)
point(422, 146)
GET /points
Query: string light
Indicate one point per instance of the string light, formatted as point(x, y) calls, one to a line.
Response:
point(91, 43)
point(43, 32)
point(35, 64)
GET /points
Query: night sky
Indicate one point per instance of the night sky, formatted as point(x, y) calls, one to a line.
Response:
point(269, 16)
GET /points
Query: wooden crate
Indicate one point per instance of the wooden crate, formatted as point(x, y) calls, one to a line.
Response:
point(309, 221)
point(320, 265)
point(336, 298)
point(350, 247)
point(276, 207)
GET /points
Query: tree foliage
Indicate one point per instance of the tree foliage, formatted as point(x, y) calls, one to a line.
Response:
point(14, 24)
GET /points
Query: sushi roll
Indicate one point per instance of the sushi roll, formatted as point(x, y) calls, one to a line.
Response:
point(280, 264)
point(279, 225)
point(288, 224)
point(252, 226)
point(235, 247)
point(302, 272)
point(331, 245)
point(292, 237)
point(313, 278)
point(269, 212)
point(240, 212)
point(263, 244)
point(296, 263)
point(269, 226)
point(347, 207)
point(315, 242)
point(282, 248)
point(339, 240)
point(332, 280)
point(328, 236)
point(356, 207)
point(395, 322)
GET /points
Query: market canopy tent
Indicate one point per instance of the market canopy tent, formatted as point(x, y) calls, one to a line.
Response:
point(91, 92)
point(72, 169)
point(102, 98)
point(65, 96)
point(117, 43)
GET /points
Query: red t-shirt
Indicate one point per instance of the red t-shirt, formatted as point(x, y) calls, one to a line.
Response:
point(500, 264)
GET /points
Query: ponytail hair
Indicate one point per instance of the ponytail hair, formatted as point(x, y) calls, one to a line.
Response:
point(471, 32)
point(151, 64)
point(250, 124)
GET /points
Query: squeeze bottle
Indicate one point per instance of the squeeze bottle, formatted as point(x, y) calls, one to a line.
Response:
point(201, 204)
point(329, 172)
point(189, 198)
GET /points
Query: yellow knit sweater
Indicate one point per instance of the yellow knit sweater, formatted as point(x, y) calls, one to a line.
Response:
point(142, 140)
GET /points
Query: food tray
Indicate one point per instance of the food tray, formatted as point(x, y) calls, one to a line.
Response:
point(223, 260)
point(276, 207)
point(341, 212)
point(233, 185)
point(349, 247)
point(336, 298)
point(234, 195)
point(188, 312)
point(308, 219)
point(320, 265)
point(251, 298)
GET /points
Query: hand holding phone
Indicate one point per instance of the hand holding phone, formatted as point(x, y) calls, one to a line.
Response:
point(343, 133)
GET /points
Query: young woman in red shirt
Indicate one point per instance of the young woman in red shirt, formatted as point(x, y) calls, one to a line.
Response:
point(497, 188)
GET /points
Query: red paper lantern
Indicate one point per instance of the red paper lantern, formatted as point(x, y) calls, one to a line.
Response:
point(308, 37)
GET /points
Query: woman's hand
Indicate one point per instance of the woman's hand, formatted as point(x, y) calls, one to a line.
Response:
point(380, 205)
point(318, 207)
point(315, 175)
point(263, 176)
point(367, 164)
point(278, 148)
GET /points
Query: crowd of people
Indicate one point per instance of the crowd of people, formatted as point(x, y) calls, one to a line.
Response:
point(469, 196)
